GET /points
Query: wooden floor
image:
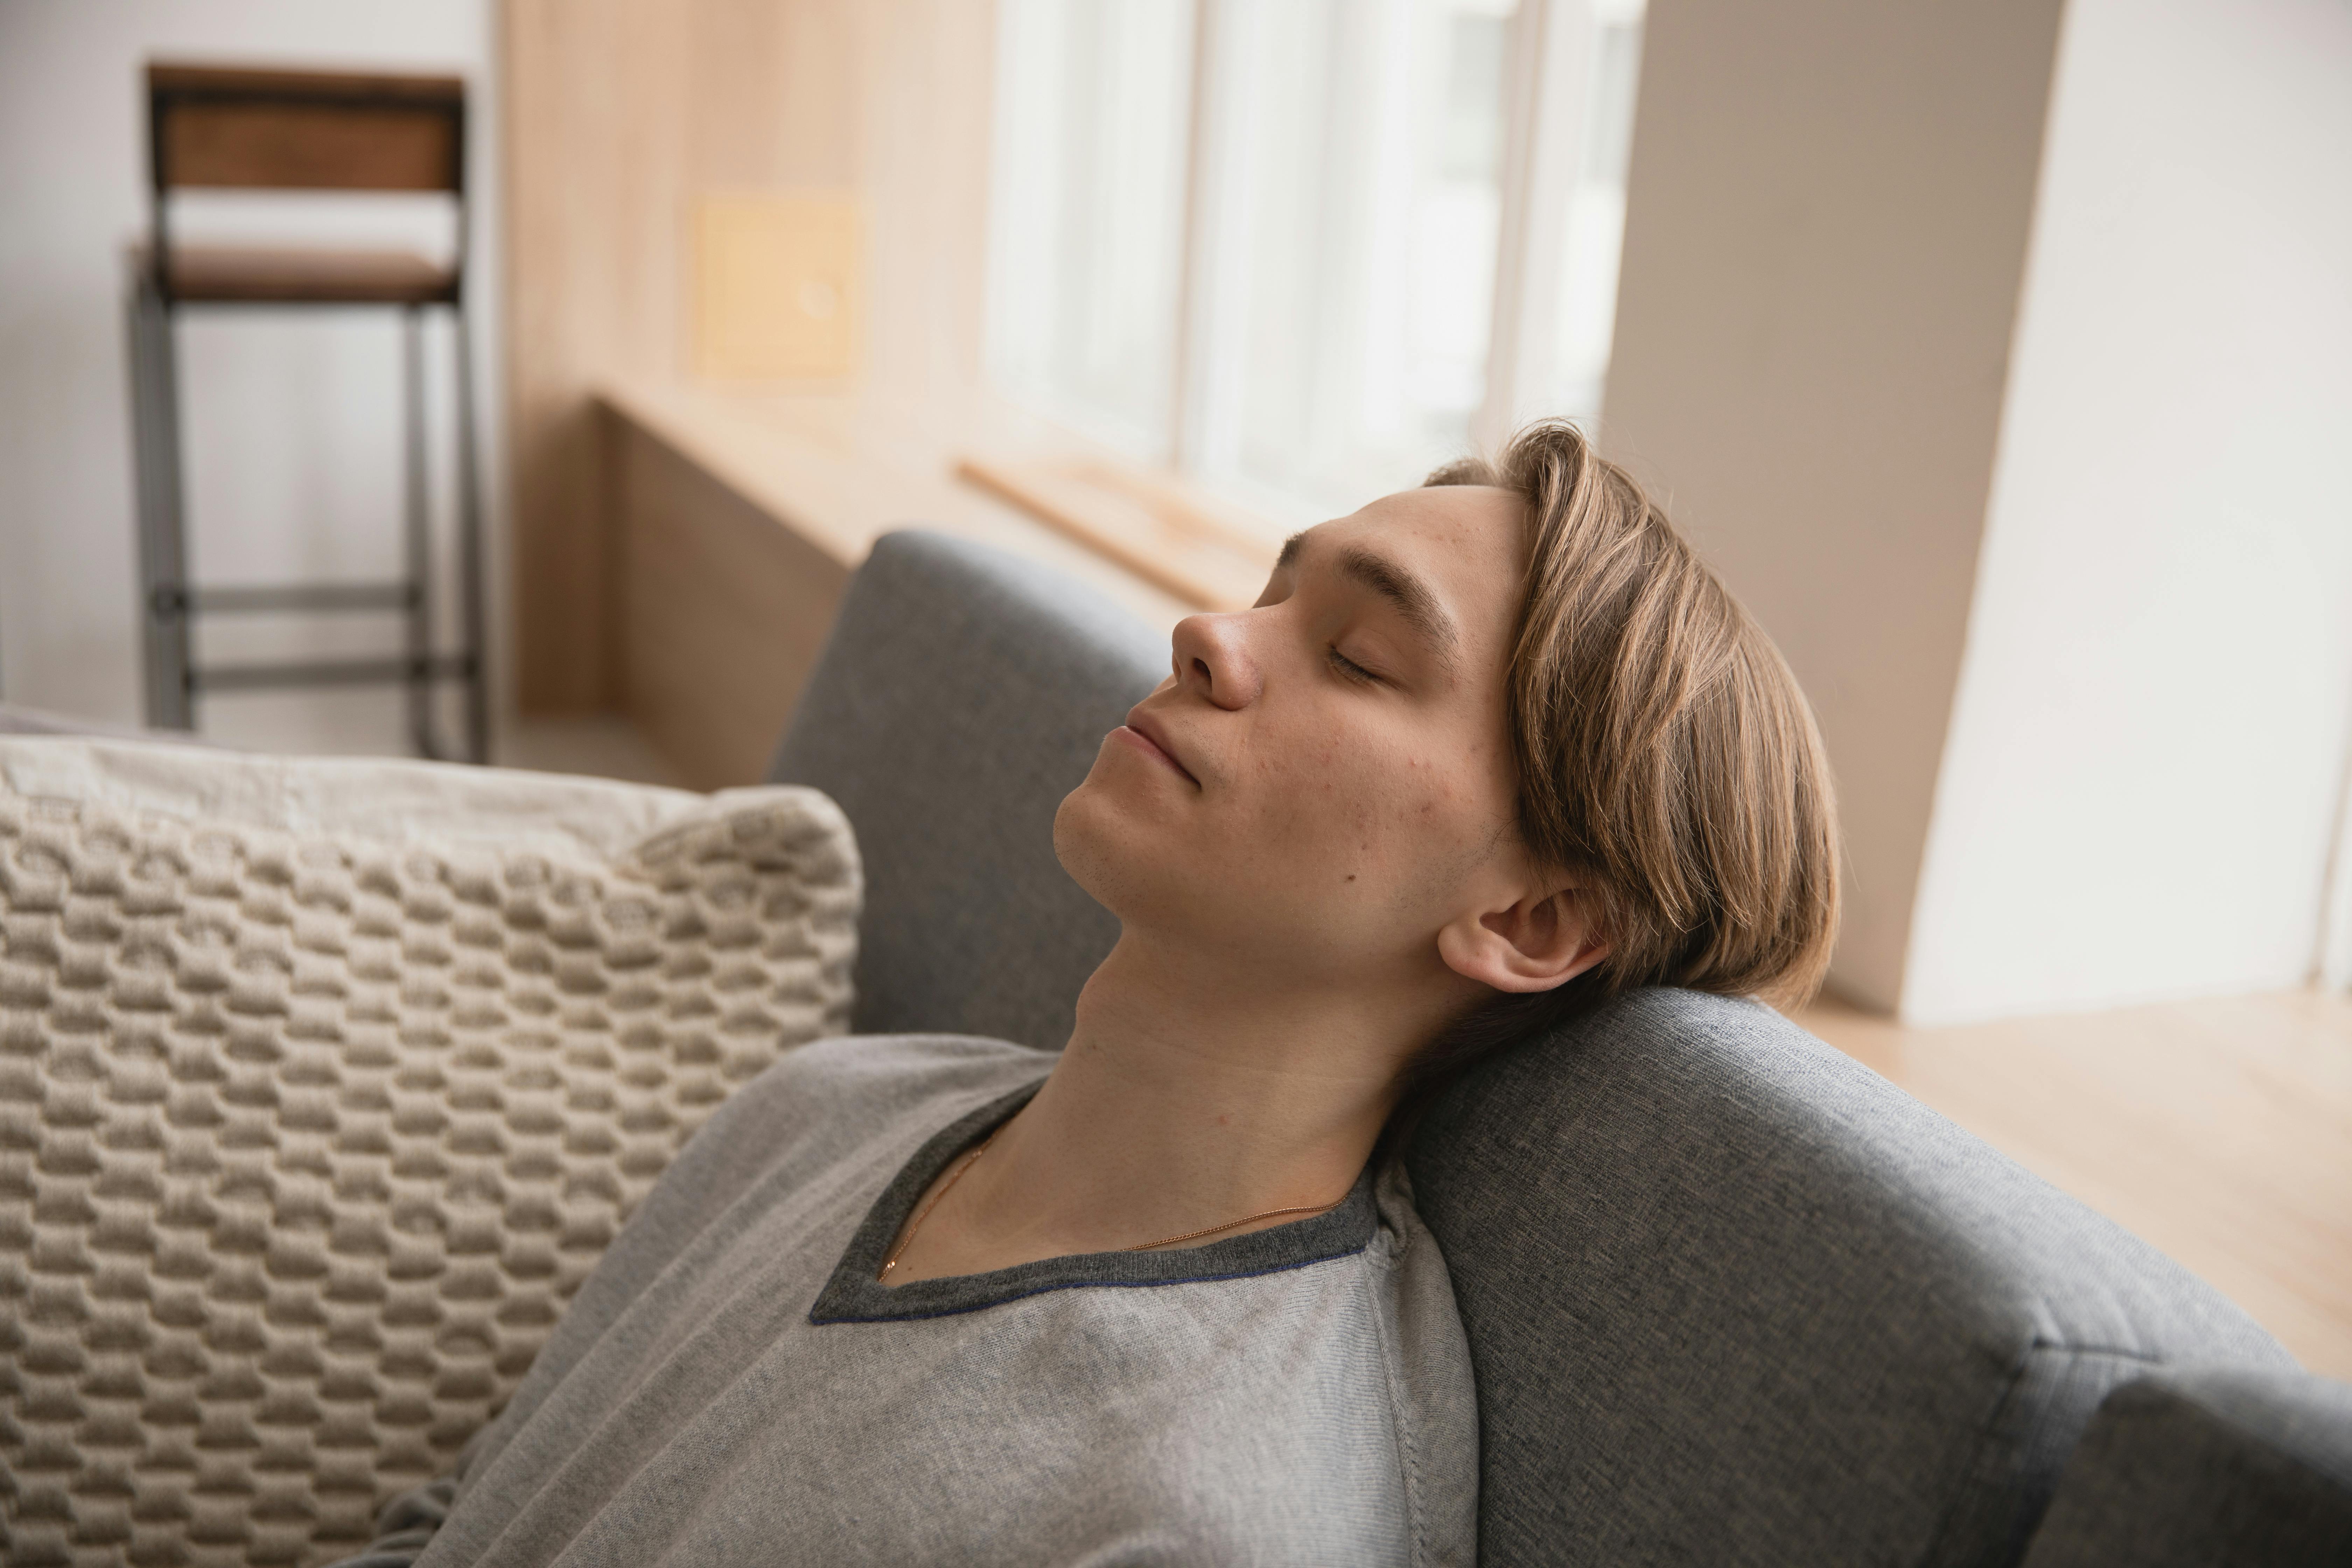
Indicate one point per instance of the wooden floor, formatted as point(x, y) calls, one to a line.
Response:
point(2218, 1130)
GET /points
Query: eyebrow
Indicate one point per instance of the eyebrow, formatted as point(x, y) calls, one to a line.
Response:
point(1406, 593)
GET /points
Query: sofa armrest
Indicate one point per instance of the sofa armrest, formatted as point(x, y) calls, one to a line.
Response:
point(2215, 1465)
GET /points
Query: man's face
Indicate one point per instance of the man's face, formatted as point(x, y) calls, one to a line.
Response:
point(1324, 781)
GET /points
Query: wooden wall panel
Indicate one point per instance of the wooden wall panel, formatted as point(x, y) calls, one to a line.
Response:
point(596, 102)
point(723, 613)
point(925, 112)
point(776, 94)
point(621, 113)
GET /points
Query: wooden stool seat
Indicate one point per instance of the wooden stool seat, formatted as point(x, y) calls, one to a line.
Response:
point(213, 274)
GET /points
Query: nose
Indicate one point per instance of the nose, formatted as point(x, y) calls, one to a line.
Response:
point(1213, 659)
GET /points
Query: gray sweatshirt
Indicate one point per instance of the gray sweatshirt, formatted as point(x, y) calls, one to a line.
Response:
point(731, 1386)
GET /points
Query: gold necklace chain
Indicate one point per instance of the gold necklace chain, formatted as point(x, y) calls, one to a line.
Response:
point(973, 1158)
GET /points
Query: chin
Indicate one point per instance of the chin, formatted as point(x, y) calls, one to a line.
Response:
point(1091, 844)
point(1123, 849)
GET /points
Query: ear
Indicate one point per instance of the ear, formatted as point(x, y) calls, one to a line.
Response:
point(1541, 942)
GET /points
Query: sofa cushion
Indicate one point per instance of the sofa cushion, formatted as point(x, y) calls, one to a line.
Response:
point(1733, 1297)
point(2208, 1465)
point(323, 1086)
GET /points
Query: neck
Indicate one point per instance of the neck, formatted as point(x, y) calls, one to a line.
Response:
point(1189, 1096)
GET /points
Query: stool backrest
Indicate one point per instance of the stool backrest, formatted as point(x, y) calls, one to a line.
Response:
point(231, 128)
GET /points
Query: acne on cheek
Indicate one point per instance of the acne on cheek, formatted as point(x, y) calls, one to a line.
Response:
point(1440, 791)
point(1435, 792)
point(1425, 796)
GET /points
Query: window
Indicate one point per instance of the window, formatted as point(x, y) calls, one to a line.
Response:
point(1303, 250)
point(1086, 234)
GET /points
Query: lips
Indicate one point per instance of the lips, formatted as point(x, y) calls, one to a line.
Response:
point(1148, 735)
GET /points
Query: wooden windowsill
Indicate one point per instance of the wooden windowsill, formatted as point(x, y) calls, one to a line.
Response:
point(840, 470)
point(1153, 524)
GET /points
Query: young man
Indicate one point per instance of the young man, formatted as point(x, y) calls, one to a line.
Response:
point(1483, 754)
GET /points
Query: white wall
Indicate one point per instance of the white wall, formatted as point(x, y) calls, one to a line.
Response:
point(2150, 732)
point(1826, 228)
point(290, 419)
point(2001, 357)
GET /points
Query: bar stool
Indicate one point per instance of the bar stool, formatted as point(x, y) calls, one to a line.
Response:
point(217, 128)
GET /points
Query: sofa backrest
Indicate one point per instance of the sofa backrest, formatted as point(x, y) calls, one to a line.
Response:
point(1733, 1297)
point(1730, 1296)
point(963, 693)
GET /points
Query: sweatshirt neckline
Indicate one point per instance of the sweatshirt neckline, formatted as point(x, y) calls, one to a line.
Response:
point(853, 1295)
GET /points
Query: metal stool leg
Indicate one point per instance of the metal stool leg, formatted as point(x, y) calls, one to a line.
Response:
point(475, 654)
point(417, 523)
point(163, 552)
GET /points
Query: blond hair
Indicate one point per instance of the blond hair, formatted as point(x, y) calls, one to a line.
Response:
point(1665, 757)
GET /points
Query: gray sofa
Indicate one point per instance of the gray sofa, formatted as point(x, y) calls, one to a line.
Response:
point(1731, 1297)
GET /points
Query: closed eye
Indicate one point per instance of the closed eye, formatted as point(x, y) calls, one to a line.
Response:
point(1348, 669)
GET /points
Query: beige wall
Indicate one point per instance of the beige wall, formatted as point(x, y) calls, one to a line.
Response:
point(1825, 237)
point(624, 111)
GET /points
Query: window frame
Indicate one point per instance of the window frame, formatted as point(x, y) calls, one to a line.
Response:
point(1546, 116)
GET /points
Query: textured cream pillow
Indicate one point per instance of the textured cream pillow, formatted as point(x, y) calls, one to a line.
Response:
point(323, 1084)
